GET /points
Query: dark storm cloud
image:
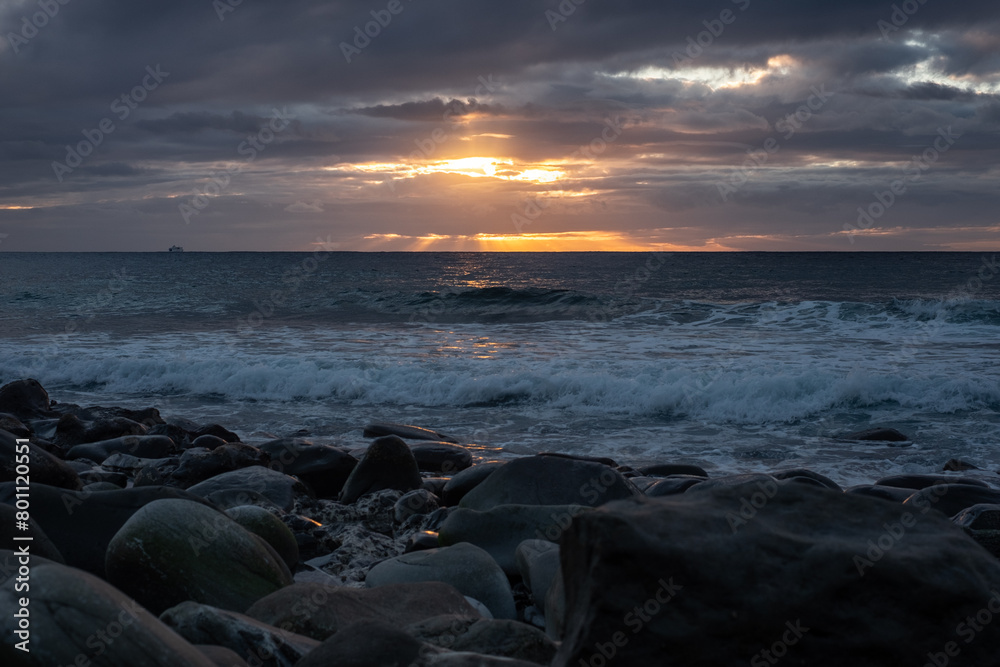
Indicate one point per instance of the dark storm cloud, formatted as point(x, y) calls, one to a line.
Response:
point(536, 81)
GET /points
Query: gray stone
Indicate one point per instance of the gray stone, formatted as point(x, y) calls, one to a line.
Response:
point(982, 523)
point(791, 473)
point(538, 563)
point(388, 464)
point(414, 502)
point(668, 469)
point(270, 528)
point(506, 639)
point(465, 566)
point(142, 446)
point(322, 467)
point(441, 457)
point(806, 557)
point(43, 467)
point(81, 523)
point(319, 611)
point(265, 645)
point(549, 480)
point(275, 486)
point(669, 486)
point(171, 551)
point(891, 493)
point(25, 399)
point(500, 530)
point(366, 643)
point(74, 614)
point(950, 499)
point(460, 484)
point(198, 464)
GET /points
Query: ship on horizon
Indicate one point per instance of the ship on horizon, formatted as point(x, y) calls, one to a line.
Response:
point(176, 248)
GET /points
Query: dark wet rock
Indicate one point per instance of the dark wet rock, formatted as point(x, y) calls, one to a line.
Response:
point(100, 486)
point(68, 434)
point(958, 465)
point(499, 638)
point(435, 485)
point(500, 530)
point(40, 544)
point(322, 467)
point(603, 460)
point(148, 417)
point(692, 562)
point(175, 433)
point(463, 482)
point(414, 502)
point(465, 566)
point(197, 464)
point(176, 550)
point(130, 465)
point(43, 467)
point(367, 644)
point(378, 429)
point(917, 482)
point(668, 469)
point(950, 499)
point(142, 446)
point(982, 523)
point(81, 524)
point(538, 563)
point(421, 541)
point(221, 656)
point(823, 480)
point(270, 528)
point(208, 441)
point(319, 611)
point(25, 399)
point(275, 486)
point(727, 481)
point(118, 479)
point(642, 483)
point(891, 493)
point(669, 486)
point(265, 645)
point(217, 431)
point(441, 457)
point(877, 435)
point(158, 472)
point(388, 464)
point(69, 607)
point(14, 426)
point(228, 498)
point(549, 480)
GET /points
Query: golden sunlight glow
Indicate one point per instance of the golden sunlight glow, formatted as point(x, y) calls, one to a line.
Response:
point(13, 207)
point(473, 167)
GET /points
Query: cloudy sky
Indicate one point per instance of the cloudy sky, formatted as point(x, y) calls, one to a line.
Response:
point(501, 125)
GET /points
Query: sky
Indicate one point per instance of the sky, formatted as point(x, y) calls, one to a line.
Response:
point(505, 125)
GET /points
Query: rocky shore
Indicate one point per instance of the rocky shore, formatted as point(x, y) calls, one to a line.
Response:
point(164, 542)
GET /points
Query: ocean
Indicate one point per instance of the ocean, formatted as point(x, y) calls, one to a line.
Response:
point(738, 362)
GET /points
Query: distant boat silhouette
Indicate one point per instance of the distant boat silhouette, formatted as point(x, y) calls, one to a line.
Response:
point(176, 248)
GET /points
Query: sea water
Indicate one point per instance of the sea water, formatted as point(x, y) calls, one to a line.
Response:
point(734, 361)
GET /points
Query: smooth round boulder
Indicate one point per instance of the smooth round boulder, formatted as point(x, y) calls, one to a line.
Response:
point(538, 563)
point(79, 619)
point(877, 435)
point(142, 446)
point(270, 528)
point(418, 501)
point(669, 486)
point(917, 482)
point(387, 464)
point(550, 480)
point(823, 480)
point(500, 530)
point(950, 499)
point(176, 550)
point(25, 399)
point(275, 486)
point(465, 566)
point(322, 467)
point(460, 484)
point(441, 457)
point(668, 469)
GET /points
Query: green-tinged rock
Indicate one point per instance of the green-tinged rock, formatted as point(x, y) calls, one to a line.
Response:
point(78, 619)
point(171, 551)
point(273, 530)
